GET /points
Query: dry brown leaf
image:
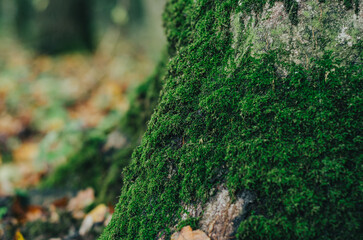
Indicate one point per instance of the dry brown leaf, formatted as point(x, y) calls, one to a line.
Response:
point(61, 203)
point(26, 152)
point(10, 126)
point(82, 200)
point(34, 213)
point(187, 233)
point(54, 216)
point(30, 177)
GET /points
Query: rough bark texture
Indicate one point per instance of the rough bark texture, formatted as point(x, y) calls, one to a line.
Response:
point(261, 97)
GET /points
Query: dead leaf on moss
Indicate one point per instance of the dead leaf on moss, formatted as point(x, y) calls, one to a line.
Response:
point(187, 233)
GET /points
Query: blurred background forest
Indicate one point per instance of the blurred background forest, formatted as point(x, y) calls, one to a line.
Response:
point(79, 80)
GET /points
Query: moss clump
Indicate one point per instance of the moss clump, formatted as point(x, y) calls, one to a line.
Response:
point(293, 138)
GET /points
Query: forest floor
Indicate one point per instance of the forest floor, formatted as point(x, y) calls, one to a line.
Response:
point(45, 103)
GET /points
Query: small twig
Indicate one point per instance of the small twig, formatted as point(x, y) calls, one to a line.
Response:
point(307, 61)
point(268, 44)
point(313, 36)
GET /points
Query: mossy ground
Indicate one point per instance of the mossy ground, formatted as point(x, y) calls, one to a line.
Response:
point(104, 167)
point(293, 140)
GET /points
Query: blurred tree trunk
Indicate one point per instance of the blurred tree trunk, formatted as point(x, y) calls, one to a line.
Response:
point(54, 26)
point(7, 11)
point(64, 25)
point(23, 19)
point(135, 10)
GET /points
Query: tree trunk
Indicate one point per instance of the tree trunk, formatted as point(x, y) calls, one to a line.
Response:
point(54, 26)
point(23, 19)
point(256, 135)
point(65, 25)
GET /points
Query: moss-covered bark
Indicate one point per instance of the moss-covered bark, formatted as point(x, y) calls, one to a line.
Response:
point(261, 96)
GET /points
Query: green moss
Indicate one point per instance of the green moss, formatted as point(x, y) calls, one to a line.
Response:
point(177, 30)
point(293, 140)
point(72, 174)
point(143, 103)
point(192, 222)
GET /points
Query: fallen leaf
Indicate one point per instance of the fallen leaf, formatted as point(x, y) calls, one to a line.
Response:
point(34, 213)
point(9, 126)
point(98, 214)
point(108, 220)
point(115, 140)
point(61, 203)
point(54, 216)
point(86, 225)
point(18, 236)
point(26, 152)
point(187, 233)
point(82, 200)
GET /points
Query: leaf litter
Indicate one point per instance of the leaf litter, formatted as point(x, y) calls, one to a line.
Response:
point(45, 104)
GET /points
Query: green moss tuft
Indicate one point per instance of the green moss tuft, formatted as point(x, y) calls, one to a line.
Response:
point(192, 222)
